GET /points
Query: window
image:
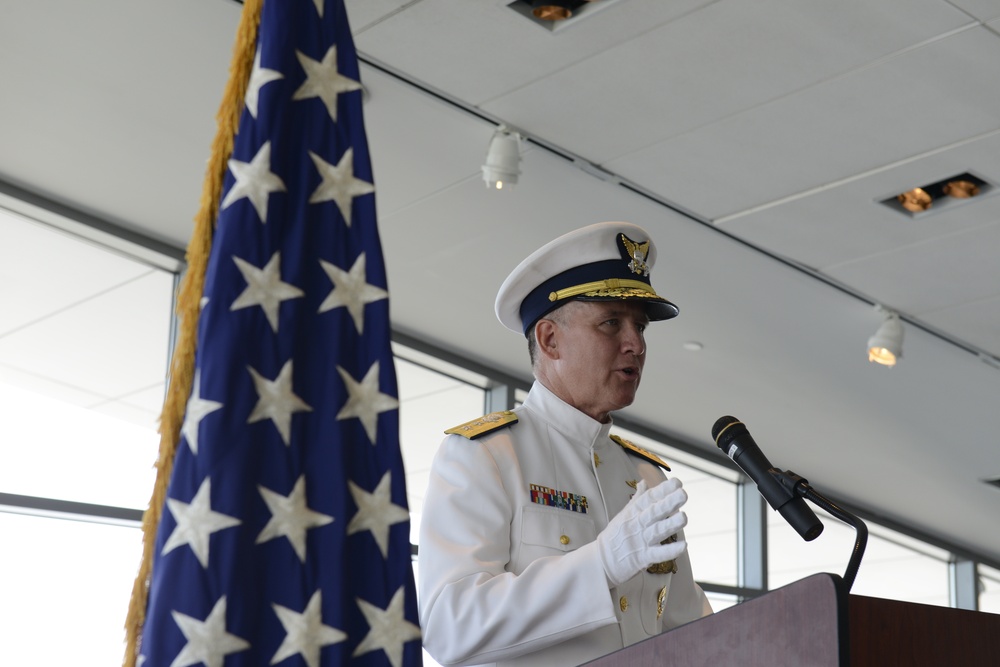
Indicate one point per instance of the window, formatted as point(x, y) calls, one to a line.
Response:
point(66, 587)
point(429, 403)
point(894, 566)
point(84, 337)
point(989, 591)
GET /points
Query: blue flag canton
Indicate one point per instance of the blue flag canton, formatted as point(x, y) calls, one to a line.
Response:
point(285, 535)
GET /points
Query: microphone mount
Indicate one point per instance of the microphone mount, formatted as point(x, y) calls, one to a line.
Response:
point(797, 485)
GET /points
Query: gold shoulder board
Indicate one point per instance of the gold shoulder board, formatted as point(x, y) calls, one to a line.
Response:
point(483, 425)
point(639, 451)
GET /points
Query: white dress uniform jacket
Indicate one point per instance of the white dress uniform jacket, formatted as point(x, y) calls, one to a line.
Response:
point(509, 572)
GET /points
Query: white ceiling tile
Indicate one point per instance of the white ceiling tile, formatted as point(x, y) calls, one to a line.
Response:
point(707, 66)
point(910, 278)
point(44, 271)
point(148, 399)
point(979, 322)
point(111, 345)
point(148, 419)
point(868, 119)
point(14, 378)
point(984, 10)
point(143, 109)
point(479, 50)
point(362, 14)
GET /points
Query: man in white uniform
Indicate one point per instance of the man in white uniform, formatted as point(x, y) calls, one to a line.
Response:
point(545, 540)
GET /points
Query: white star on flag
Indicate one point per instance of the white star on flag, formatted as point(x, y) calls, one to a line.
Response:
point(208, 642)
point(197, 409)
point(376, 512)
point(324, 81)
point(276, 401)
point(365, 401)
point(265, 288)
point(388, 629)
point(259, 77)
point(290, 517)
point(351, 289)
point(255, 181)
point(306, 633)
point(339, 184)
point(196, 522)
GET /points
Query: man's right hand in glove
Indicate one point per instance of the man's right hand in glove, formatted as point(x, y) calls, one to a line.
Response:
point(632, 540)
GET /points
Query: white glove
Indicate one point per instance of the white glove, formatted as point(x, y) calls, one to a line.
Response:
point(631, 542)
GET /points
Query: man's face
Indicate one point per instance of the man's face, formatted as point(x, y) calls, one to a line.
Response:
point(599, 354)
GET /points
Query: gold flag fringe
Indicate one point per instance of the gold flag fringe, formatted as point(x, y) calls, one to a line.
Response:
point(188, 306)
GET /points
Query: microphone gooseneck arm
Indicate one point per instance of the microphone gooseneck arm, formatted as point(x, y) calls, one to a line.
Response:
point(800, 486)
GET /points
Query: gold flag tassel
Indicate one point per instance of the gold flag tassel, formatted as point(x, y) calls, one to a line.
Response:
point(188, 306)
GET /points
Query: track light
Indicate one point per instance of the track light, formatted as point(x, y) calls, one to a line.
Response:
point(886, 346)
point(502, 159)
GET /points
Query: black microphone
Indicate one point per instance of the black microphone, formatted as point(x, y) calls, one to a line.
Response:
point(733, 438)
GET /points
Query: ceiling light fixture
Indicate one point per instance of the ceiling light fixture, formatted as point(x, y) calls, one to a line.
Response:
point(941, 194)
point(886, 346)
point(915, 200)
point(553, 10)
point(555, 15)
point(502, 159)
point(960, 189)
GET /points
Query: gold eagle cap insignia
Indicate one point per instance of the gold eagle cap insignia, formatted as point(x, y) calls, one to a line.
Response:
point(637, 253)
point(482, 425)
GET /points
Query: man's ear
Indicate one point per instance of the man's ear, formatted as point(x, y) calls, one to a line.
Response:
point(546, 335)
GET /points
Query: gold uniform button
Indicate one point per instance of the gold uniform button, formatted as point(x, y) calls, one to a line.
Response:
point(623, 603)
point(564, 539)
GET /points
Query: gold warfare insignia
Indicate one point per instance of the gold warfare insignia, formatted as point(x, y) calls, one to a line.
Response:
point(483, 425)
point(637, 253)
point(640, 452)
point(660, 597)
point(667, 566)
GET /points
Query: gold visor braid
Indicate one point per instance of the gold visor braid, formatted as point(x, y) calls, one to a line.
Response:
point(599, 285)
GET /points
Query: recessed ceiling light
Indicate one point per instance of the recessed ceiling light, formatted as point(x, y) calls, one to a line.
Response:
point(915, 200)
point(552, 10)
point(554, 15)
point(693, 346)
point(960, 189)
point(937, 196)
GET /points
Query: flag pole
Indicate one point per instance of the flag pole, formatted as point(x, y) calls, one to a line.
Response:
point(188, 305)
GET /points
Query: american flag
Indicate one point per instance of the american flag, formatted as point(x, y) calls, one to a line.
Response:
point(285, 536)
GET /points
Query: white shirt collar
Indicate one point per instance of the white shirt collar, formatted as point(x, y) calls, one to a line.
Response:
point(574, 424)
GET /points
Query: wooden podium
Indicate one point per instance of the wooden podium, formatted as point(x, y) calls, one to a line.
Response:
point(813, 622)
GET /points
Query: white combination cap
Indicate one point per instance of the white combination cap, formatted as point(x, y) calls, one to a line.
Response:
point(604, 262)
